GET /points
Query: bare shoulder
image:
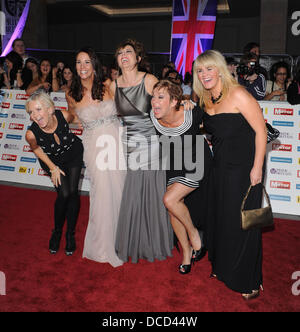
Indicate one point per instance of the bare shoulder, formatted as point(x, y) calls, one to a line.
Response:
point(150, 81)
point(240, 97)
point(29, 136)
point(238, 92)
point(244, 102)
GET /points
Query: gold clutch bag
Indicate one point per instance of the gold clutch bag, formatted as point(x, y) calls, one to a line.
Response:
point(256, 218)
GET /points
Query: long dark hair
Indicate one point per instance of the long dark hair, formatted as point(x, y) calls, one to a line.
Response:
point(72, 71)
point(17, 65)
point(49, 76)
point(276, 66)
point(76, 90)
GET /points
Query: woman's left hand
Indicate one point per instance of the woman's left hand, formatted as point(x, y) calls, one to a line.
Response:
point(255, 176)
point(55, 176)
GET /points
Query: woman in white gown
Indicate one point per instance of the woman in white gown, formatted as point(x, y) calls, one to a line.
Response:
point(91, 102)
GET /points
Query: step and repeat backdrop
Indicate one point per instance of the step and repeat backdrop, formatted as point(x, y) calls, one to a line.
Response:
point(17, 162)
point(282, 179)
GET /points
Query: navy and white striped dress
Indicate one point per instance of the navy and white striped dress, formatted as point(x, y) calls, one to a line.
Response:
point(189, 127)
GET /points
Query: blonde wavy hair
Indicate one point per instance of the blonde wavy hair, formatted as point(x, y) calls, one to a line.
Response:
point(212, 58)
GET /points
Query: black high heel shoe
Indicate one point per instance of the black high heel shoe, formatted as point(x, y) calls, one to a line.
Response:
point(55, 241)
point(253, 295)
point(199, 254)
point(184, 269)
point(70, 243)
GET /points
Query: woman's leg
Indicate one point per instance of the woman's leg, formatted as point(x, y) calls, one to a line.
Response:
point(183, 239)
point(174, 202)
point(60, 208)
point(73, 207)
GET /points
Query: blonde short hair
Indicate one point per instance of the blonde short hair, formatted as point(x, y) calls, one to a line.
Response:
point(41, 96)
point(212, 58)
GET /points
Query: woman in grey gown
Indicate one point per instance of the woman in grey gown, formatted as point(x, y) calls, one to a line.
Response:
point(144, 230)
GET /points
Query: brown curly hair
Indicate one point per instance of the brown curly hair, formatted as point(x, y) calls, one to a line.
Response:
point(174, 90)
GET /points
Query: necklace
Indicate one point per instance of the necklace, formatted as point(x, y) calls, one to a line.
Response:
point(215, 100)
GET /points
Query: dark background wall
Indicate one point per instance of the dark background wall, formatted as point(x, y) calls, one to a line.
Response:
point(66, 26)
point(69, 26)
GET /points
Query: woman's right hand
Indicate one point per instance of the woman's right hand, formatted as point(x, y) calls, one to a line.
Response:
point(55, 176)
point(255, 176)
point(278, 92)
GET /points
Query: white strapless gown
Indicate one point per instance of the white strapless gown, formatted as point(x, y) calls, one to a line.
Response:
point(101, 125)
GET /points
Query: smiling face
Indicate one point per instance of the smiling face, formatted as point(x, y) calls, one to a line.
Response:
point(281, 75)
point(45, 67)
point(209, 77)
point(84, 66)
point(161, 103)
point(40, 113)
point(127, 58)
point(68, 75)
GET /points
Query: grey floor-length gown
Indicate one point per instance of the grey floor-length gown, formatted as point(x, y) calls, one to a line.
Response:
point(144, 230)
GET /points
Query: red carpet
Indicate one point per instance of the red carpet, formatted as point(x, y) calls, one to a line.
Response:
point(38, 281)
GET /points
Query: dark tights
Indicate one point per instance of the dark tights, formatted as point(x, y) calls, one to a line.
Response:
point(67, 203)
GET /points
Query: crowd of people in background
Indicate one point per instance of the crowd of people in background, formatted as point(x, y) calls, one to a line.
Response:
point(19, 71)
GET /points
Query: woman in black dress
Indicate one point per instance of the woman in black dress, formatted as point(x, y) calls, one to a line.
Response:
point(60, 154)
point(184, 184)
point(235, 121)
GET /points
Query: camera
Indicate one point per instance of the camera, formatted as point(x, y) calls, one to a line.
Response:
point(243, 69)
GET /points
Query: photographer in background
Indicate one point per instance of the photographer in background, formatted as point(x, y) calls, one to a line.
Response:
point(250, 77)
point(254, 47)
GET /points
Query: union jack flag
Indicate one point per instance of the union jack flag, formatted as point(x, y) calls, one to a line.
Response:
point(192, 31)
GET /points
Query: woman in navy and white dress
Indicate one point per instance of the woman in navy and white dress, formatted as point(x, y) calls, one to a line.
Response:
point(186, 196)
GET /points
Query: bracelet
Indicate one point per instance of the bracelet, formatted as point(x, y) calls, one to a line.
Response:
point(56, 168)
